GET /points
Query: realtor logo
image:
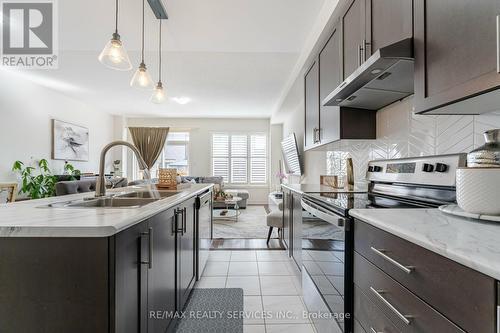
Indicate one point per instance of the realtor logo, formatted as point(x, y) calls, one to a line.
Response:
point(29, 34)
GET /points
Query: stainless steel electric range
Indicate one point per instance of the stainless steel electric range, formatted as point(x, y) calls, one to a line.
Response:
point(328, 229)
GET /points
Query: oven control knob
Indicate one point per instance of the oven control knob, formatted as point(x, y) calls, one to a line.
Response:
point(370, 168)
point(441, 167)
point(377, 168)
point(426, 167)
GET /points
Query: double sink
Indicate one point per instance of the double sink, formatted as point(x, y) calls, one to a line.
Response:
point(125, 200)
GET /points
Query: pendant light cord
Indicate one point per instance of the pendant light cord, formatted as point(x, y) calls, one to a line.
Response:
point(159, 57)
point(116, 16)
point(143, 31)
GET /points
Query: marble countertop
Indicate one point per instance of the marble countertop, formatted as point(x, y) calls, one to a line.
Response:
point(317, 188)
point(32, 218)
point(472, 243)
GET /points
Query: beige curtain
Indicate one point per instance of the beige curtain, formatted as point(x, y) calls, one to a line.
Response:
point(149, 141)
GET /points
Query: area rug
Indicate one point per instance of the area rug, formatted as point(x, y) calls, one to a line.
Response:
point(251, 224)
point(213, 311)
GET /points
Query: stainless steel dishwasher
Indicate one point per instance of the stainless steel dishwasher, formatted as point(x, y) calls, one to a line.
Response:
point(203, 231)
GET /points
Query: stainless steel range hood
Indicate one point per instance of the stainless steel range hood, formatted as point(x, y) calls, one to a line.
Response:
point(384, 78)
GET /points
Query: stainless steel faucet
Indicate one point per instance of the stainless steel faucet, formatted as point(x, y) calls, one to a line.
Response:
point(100, 189)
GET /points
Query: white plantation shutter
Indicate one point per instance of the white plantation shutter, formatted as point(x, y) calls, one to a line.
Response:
point(240, 158)
point(239, 161)
point(220, 156)
point(258, 159)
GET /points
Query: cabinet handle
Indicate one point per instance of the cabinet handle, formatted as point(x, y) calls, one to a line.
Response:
point(180, 230)
point(316, 135)
point(374, 330)
point(149, 262)
point(379, 293)
point(365, 49)
point(184, 219)
point(498, 43)
point(359, 55)
point(406, 269)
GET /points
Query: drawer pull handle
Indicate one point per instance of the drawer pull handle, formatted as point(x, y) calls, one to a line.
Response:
point(379, 293)
point(406, 269)
point(374, 330)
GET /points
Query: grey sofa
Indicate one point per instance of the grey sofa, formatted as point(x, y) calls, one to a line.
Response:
point(243, 194)
point(86, 185)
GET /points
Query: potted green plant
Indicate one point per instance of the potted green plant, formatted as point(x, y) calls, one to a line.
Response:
point(39, 182)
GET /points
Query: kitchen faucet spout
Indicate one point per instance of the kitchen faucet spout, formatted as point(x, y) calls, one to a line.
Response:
point(100, 189)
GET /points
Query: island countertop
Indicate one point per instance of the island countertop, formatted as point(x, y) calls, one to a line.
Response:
point(33, 218)
point(470, 242)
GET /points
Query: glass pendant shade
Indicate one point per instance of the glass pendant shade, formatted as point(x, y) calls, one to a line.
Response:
point(158, 96)
point(114, 55)
point(142, 78)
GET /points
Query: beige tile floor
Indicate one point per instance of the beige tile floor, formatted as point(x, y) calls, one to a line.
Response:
point(270, 284)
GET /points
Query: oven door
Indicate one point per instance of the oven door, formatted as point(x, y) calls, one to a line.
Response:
point(326, 274)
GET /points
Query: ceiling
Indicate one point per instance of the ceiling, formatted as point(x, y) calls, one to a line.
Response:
point(230, 58)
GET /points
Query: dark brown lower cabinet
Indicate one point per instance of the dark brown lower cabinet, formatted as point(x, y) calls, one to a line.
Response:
point(187, 255)
point(369, 317)
point(407, 312)
point(436, 294)
point(56, 285)
point(160, 261)
point(131, 282)
point(130, 298)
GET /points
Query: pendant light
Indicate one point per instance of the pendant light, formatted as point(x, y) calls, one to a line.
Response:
point(141, 78)
point(158, 96)
point(114, 55)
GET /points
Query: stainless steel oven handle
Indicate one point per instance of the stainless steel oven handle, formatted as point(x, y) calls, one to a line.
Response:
point(323, 214)
point(406, 269)
point(378, 293)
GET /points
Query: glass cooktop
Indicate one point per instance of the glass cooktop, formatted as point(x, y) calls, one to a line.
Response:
point(342, 202)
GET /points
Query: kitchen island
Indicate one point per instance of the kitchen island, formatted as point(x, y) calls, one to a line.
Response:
point(88, 269)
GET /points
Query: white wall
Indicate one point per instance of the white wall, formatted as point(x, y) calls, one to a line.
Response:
point(200, 140)
point(26, 110)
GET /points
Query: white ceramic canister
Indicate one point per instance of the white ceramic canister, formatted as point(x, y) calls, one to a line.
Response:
point(478, 190)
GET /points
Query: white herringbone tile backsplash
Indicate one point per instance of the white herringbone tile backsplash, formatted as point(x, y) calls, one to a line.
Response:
point(401, 133)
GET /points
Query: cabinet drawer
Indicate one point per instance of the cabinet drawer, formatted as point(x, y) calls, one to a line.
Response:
point(406, 311)
point(465, 296)
point(369, 316)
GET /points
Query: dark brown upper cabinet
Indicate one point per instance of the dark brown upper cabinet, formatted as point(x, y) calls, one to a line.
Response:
point(456, 56)
point(353, 36)
point(387, 22)
point(368, 25)
point(330, 76)
point(335, 122)
point(311, 98)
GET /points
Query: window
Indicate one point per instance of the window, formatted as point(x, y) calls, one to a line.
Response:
point(240, 158)
point(175, 155)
